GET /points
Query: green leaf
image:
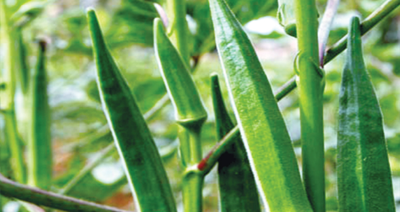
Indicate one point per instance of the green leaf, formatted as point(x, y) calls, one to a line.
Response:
point(237, 187)
point(363, 171)
point(27, 12)
point(261, 124)
point(142, 162)
point(245, 10)
point(180, 85)
point(135, 24)
point(39, 135)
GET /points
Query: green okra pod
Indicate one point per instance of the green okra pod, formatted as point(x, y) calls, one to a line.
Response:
point(263, 130)
point(363, 171)
point(237, 187)
point(190, 115)
point(143, 166)
point(180, 85)
point(39, 135)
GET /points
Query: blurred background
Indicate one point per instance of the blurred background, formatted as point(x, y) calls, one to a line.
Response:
point(79, 129)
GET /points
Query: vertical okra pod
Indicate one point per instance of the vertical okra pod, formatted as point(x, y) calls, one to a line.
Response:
point(39, 135)
point(363, 171)
point(188, 106)
point(142, 162)
point(263, 130)
point(237, 188)
point(190, 115)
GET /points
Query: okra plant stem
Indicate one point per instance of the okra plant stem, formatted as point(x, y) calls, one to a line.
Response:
point(311, 80)
point(177, 29)
point(373, 19)
point(7, 95)
point(49, 199)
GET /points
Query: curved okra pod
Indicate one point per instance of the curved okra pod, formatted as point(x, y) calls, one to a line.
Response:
point(142, 162)
point(39, 135)
point(237, 188)
point(263, 130)
point(363, 171)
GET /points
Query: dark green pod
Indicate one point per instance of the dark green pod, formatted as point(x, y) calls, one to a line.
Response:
point(237, 187)
point(39, 135)
point(143, 166)
point(363, 171)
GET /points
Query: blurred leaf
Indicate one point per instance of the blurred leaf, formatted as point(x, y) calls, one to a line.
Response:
point(245, 11)
point(27, 12)
point(132, 22)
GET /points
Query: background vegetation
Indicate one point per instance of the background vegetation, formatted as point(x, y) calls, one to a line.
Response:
point(78, 125)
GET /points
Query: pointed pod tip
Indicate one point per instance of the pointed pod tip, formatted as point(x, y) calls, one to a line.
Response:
point(90, 11)
point(355, 20)
point(214, 78)
point(158, 25)
point(214, 75)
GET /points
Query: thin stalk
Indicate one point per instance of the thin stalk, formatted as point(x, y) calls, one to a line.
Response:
point(40, 197)
point(7, 95)
point(177, 30)
point(311, 104)
point(325, 27)
point(373, 19)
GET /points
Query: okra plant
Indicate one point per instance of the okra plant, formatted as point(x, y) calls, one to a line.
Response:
point(259, 164)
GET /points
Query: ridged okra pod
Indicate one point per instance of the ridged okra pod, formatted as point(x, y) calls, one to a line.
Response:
point(39, 135)
point(363, 171)
point(190, 115)
point(237, 187)
point(142, 163)
point(263, 130)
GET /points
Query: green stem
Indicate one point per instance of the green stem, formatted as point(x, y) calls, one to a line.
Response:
point(178, 28)
point(373, 19)
point(192, 185)
point(208, 162)
point(8, 93)
point(311, 104)
point(49, 199)
point(192, 182)
point(15, 145)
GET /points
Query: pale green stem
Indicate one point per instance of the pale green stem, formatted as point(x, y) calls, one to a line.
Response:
point(192, 182)
point(311, 104)
point(7, 95)
point(40, 197)
point(178, 28)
